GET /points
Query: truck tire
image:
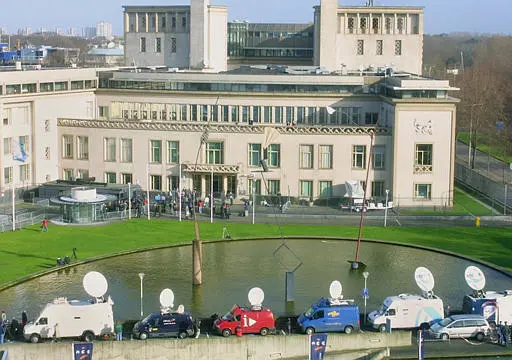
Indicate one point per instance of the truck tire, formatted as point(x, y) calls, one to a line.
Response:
point(226, 333)
point(349, 329)
point(143, 335)
point(35, 338)
point(264, 332)
point(310, 331)
point(382, 328)
point(88, 336)
point(182, 335)
point(480, 337)
point(444, 337)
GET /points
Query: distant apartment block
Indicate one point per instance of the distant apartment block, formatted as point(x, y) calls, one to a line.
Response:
point(89, 32)
point(104, 29)
point(25, 31)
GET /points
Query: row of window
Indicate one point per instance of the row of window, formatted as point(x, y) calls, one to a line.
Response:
point(152, 25)
point(13, 89)
point(24, 173)
point(158, 45)
point(291, 115)
point(379, 47)
point(374, 26)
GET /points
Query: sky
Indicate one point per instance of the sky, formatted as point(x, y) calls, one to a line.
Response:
point(441, 16)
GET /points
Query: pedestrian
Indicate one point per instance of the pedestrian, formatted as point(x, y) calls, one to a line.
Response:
point(24, 319)
point(3, 327)
point(15, 329)
point(499, 332)
point(44, 226)
point(506, 334)
point(119, 331)
point(200, 206)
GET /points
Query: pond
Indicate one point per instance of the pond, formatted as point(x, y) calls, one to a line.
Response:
point(230, 269)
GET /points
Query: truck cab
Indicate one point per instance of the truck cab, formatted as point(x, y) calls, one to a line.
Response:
point(329, 315)
point(250, 320)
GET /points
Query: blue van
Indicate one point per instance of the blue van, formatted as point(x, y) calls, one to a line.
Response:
point(165, 325)
point(328, 315)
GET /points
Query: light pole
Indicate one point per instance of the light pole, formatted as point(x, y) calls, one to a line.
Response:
point(211, 200)
point(365, 292)
point(129, 201)
point(253, 199)
point(386, 209)
point(141, 275)
point(147, 189)
point(471, 132)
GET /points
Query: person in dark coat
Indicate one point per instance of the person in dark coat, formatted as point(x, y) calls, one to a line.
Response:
point(24, 317)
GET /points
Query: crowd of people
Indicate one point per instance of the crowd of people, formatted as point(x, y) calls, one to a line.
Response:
point(12, 330)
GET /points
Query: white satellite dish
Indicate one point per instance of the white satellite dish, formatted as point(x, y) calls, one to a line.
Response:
point(475, 278)
point(167, 298)
point(335, 289)
point(256, 296)
point(424, 279)
point(95, 284)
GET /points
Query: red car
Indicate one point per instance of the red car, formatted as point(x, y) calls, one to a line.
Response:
point(251, 321)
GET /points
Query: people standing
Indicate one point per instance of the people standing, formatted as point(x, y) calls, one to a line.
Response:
point(119, 331)
point(24, 317)
point(44, 226)
point(3, 327)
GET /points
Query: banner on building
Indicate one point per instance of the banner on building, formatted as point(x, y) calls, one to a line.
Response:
point(318, 344)
point(82, 351)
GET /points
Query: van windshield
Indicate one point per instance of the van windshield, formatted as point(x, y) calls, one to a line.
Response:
point(309, 312)
point(445, 321)
point(383, 308)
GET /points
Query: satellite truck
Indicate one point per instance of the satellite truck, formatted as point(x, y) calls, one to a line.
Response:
point(495, 306)
point(406, 311)
point(84, 320)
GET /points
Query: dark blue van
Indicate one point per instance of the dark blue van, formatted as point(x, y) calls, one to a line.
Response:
point(165, 325)
point(329, 315)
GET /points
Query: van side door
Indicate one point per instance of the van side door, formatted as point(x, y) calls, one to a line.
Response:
point(318, 320)
point(169, 325)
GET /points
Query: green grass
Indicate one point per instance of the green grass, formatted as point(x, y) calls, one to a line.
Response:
point(28, 251)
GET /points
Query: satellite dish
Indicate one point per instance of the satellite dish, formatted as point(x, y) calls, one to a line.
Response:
point(335, 289)
point(424, 279)
point(475, 278)
point(95, 284)
point(256, 296)
point(167, 298)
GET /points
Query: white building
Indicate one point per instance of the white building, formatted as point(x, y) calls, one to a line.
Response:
point(104, 29)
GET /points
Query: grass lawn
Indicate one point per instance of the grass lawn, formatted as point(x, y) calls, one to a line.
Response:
point(28, 251)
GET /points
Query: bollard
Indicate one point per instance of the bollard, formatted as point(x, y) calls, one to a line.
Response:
point(477, 221)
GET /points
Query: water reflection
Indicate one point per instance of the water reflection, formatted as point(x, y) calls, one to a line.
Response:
point(231, 269)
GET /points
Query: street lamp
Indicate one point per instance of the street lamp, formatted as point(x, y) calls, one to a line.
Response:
point(386, 209)
point(141, 275)
point(365, 292)
point(129, 201)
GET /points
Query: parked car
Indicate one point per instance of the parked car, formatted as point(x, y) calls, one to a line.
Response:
point(328, 316)
point(165, 325)
point(461, 326)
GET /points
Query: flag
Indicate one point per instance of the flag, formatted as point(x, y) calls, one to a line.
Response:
point(82, 351)
point(18, 151)
point(330, 110)
point(318, 343)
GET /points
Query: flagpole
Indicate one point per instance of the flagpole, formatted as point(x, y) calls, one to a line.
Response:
point(13, 203)
point(147, 189)
point(179, 194)
point(211, 200)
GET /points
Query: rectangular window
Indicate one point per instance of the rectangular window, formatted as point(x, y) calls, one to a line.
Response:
point(82, 143)
point(351, 25)
point(360, 47)
point(163, 22)
point(378, 189)
point(126, 150)
point(274, 187)
point(301, 111)
point(173, 152)
point(77, 85)
point(156, 183)
point(7, 175)
point(184, 22)
point(252, 184)
point(61, 86)
point(254, 154)
point(379, 157)
point(143, 44)
point(103, 111)
point(126, 178)
point(67, 146)
point(156, 151)
point(214, 112)
point(245, 114)
point(267, 114)
point(375, 25)
point(173, 21)
point(289, 115)
point(380, 45)
point(274, 155)
point(311, 115)
point(24, 143)
point(83, 174)
point(306, 156)
point(184, 112)
point(215, 153)
point(398, 47)
point(423, 191)
point(67, 174)
point(173, 45)
point(306, 188)
point(204, 112)
point(325, 156)
point(235, 110)
point(193, 112)
point(423, 158)
point(45, 87)
point(359, 156)
point(7, 146)
point(225, 113)
point(325, 188)
point(279, 114)
point(256, 114)
point(371, 118)
point(109, 149)
point(110, 177)
point(24, 172)
point(158, 45)
point(350, 116)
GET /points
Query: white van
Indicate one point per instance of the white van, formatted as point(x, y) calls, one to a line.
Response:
point(72, 319)
point(407, 311)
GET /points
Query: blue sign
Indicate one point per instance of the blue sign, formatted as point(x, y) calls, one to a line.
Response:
point(82, 351)
point(500, 125)
point(318, 344)
point(366, 293)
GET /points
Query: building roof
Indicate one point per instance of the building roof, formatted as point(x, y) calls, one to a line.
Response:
point(106, 52)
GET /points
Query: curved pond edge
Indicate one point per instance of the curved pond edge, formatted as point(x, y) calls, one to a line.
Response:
point(38, 274)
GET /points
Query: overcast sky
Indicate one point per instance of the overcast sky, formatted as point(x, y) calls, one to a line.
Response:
point(489, 16)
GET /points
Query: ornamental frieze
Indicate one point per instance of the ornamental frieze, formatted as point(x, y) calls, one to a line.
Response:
point(221, 128)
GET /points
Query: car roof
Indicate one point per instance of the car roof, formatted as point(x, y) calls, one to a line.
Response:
point(467, 316)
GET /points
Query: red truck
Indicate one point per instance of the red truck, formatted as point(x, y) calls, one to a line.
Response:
point(251, 321)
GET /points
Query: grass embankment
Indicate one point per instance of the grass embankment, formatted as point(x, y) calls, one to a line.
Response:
point(488, 144)
point(28, 251)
